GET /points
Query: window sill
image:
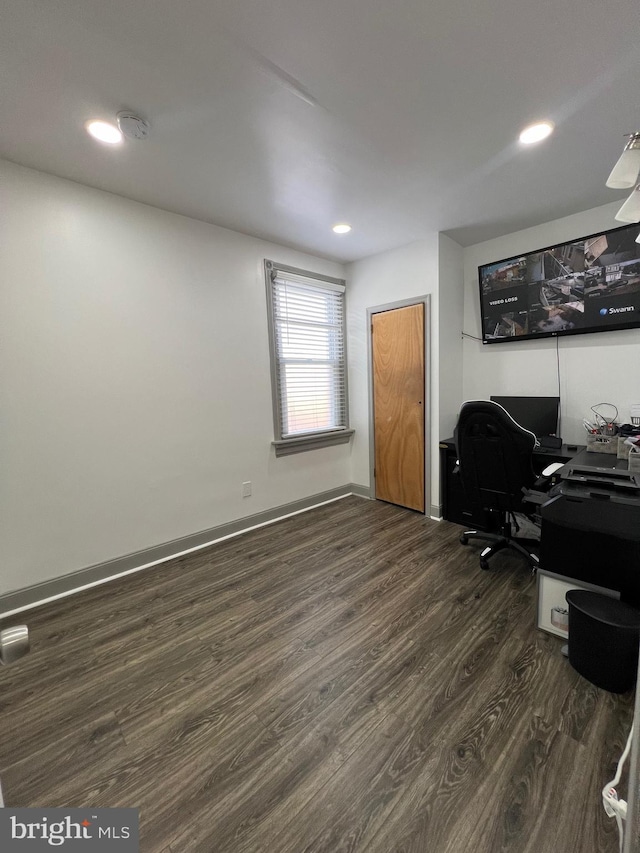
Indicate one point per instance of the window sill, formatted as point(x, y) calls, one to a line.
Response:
point(287, 446)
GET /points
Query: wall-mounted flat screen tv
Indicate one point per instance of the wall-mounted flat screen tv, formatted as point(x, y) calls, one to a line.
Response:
point(587, 285)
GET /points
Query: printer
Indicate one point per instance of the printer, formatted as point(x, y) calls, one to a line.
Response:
point(604, 484)
point(591, 529)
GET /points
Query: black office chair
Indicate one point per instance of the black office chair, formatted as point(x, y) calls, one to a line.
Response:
point(495, 464)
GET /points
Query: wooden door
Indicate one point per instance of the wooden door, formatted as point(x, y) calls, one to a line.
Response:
point(398, 347)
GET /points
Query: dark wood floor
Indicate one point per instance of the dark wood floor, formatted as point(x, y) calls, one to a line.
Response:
point(346, 679)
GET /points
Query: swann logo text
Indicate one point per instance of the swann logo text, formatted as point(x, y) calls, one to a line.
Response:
point(623, 310)
point(69, 830)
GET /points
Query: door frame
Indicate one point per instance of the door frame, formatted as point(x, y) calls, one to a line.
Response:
point(378, 309)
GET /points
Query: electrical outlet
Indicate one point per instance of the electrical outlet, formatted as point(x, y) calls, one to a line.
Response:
point(246, 489)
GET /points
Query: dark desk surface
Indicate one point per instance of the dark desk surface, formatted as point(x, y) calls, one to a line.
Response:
point(562, 454)
point(567, 451)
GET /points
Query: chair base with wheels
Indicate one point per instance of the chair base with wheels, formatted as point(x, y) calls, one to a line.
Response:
point(498, 541)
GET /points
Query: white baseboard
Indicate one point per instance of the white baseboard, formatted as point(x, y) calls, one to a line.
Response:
point(61, 587)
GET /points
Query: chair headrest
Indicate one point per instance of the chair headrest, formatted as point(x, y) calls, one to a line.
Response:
point(490, 407)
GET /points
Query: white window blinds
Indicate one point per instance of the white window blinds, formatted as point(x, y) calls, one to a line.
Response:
point(308, 331)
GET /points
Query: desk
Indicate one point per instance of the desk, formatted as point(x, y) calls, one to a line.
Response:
point(594, 540)
point(456, 506)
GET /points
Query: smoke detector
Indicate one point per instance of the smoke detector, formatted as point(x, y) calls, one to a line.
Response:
point(132, 126)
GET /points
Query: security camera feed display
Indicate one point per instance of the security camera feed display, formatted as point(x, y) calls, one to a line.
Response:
point(588, 285)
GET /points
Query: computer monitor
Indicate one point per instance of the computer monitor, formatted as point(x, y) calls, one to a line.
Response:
point(537, 414)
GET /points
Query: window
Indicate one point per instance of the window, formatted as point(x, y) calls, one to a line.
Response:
point(308, 359)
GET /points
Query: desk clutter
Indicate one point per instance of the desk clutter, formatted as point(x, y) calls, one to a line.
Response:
point(620, 446)
point(606, 435)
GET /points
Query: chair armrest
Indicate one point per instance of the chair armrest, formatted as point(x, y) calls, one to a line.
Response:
point(548, 478)
point(551, 469)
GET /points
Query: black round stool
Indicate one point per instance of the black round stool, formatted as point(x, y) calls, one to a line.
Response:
point(604, 635)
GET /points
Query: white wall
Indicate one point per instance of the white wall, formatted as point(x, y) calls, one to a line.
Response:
point(451, 301)
point(593, 368)
point(134, 370)
point(388, 277)
point(135, 379)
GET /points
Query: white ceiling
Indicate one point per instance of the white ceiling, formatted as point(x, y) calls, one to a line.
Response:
point(418, 106)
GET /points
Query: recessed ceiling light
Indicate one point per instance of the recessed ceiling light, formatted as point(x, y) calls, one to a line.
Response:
point(104, 132)
point(536, 132)
point(342, 228)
